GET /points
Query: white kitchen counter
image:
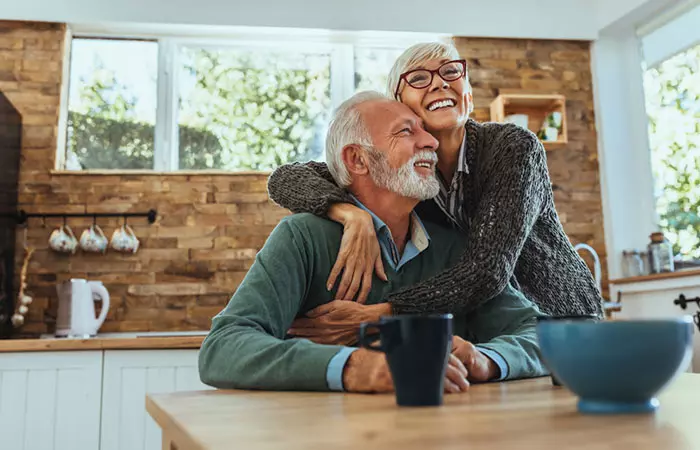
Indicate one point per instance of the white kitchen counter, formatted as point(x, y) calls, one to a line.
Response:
point(653, 296)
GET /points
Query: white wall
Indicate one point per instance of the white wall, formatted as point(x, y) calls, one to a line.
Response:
point(623, 146)
point(609, 11)
point(629, 210)
point(555, 19)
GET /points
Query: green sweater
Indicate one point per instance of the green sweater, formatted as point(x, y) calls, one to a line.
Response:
point(247, 346)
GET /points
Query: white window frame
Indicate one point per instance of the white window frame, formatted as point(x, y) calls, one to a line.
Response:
point(339, 45)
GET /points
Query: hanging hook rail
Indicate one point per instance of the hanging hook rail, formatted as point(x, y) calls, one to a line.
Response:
point(22, 216)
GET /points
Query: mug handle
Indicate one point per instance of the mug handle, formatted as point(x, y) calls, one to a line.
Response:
point(67, 229)
point(367, 341)
point(97, 228)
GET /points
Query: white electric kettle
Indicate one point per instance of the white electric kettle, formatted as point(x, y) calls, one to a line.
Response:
point(76, 308)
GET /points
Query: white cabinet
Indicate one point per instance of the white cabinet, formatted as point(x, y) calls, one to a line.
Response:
point(88, 400)
point(129, 375)
point(50, 400)
point(654, 299)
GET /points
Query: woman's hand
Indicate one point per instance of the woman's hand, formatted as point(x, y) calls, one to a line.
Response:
point(359, 254)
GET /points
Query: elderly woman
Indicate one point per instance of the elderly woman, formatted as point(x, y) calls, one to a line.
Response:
point(494, 187)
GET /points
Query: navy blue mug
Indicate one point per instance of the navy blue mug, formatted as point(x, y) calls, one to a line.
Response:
point(417, 349)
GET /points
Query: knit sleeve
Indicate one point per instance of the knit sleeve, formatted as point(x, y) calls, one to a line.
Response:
point(514, 191)
point(305, 187)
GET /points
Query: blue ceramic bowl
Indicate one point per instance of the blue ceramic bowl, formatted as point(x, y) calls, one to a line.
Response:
point(616, 366)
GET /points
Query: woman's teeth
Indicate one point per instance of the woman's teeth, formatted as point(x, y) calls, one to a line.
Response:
point(441, 104)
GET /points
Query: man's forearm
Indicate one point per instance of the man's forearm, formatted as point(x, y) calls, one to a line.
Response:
point(237, 356)
point(497, 365)
point(507, 326)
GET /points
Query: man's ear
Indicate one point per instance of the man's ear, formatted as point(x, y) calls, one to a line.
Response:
point(355, 159)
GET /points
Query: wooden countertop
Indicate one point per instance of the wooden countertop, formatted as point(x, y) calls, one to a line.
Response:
point(530, 414)
point(107, 343)
point(658, 276)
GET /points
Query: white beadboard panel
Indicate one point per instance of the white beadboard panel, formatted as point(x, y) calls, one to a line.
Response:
point(132, 415)
point(13, 404)
point(128, 376)
point(188, 379)
point(76, 388)
point(50, 400)
point(159, 380)
point(41, 409)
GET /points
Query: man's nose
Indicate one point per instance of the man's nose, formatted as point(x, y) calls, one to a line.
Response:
point(426, 141)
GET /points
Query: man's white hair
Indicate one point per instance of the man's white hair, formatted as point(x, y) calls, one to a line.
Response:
point(347, 127)
point(415, 56)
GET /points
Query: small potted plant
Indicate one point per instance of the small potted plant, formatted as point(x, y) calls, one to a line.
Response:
point(551, 127)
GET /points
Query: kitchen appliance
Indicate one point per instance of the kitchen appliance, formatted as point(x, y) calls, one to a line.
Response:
point(76, 308)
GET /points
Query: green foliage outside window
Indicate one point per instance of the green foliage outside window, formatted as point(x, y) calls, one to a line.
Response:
point(673, 105)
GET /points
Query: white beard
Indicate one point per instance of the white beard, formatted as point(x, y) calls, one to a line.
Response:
point(404, 181)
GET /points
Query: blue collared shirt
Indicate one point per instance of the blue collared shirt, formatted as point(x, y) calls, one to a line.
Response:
point(417, 243)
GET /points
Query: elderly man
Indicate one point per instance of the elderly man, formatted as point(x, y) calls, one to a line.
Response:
point(378, 149)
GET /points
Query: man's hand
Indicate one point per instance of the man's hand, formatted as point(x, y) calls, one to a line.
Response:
point(367, 371)
point(337, 322)
point(479, 366)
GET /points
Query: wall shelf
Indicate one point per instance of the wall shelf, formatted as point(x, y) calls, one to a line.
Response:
point(536, 107)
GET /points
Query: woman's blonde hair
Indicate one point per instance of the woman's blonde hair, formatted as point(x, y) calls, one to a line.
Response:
point(416, 55)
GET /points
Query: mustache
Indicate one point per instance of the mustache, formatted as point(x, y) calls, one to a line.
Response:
point(424, 155)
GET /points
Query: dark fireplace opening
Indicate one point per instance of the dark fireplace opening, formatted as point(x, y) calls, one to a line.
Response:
point(10, 147)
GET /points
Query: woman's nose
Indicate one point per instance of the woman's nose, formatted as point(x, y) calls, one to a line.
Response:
point(438, 83)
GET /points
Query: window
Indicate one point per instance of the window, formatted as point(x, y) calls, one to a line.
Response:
point(112, 106)
point(180, 103)
point(372, 66)
point(251, 109)
point(672, 91)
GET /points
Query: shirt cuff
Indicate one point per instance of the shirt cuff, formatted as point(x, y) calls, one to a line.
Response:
point(334, 372)
point(498, 359)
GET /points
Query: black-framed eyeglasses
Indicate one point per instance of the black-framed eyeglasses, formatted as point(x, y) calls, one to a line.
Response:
point(422, 78)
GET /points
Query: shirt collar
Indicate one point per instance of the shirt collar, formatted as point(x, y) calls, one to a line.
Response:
point(462, 165)
point(419, 235)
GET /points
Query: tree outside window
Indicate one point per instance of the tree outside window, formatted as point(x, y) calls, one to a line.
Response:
point(672, 91)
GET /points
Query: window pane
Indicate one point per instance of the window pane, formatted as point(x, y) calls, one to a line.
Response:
point(112, 104)
point(251, 109)
point(673, 103)
point(372, 66)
